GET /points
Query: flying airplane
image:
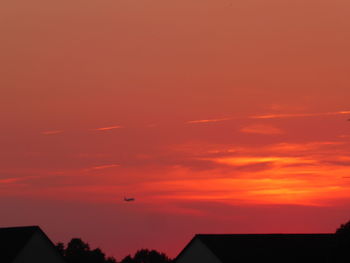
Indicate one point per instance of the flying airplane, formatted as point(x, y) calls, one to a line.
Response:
point(129, 199)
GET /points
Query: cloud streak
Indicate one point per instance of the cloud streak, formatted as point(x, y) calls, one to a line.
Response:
point(271, 116)
point(309, 173)
point(251, 160)
point(261, 129)
point(298, 115)
point(109, 128)
point(103, 167)
point(208, 121)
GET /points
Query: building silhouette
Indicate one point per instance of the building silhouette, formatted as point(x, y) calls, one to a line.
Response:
point(27, 245)
point(257, 248)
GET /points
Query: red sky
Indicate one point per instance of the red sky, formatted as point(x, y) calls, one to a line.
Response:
point(217, 116)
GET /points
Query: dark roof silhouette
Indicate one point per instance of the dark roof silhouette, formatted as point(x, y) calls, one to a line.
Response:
point(269, 247)
point(14, 239)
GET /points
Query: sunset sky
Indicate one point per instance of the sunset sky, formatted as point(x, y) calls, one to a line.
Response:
point(218, 116)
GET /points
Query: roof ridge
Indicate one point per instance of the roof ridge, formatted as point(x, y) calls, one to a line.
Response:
point(14, 239)
point(17, 227)
point(221, 245)
point(266, 234)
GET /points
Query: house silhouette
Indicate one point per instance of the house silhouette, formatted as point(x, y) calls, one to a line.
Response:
point(27, 245)
point(272, 248)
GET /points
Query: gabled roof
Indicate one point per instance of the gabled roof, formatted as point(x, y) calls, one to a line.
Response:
point(14, 239)
point(270, 247)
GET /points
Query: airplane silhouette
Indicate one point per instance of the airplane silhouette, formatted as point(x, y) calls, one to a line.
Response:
point(129, 199)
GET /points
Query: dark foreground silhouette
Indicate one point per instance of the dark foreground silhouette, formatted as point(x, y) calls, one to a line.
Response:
point(77, 251)
point(343, 243)
point(147, 256)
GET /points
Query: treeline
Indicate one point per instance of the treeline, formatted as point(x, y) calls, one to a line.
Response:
point(77, 251)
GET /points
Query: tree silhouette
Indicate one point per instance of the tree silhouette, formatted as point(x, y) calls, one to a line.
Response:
point(344, 229)
point(97, 256)
point(60, 248)
point(78, 251)
point(110, 260)
point(343, 243)
point(128, 259)
point(147, 256)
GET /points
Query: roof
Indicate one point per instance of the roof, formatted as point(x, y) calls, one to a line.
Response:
point(14, 239)
point(270, 247)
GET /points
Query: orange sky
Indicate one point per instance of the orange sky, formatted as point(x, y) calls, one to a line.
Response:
point(217, 116)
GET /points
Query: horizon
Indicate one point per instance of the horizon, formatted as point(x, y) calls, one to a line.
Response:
point(214, 115)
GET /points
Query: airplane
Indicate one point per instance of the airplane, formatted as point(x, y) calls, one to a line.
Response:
point(129, 199)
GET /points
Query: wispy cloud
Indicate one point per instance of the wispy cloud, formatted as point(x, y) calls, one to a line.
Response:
point(271, 116)
point(344, 136)
point(109, 128)
point(287, 180)
point(10, 180)
point(208, 120)
point(249, 160)
point(102, 167)
point(306, 173)
point(261, 129)
point(15, 180)
point(53, 132)
point(296, 115)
